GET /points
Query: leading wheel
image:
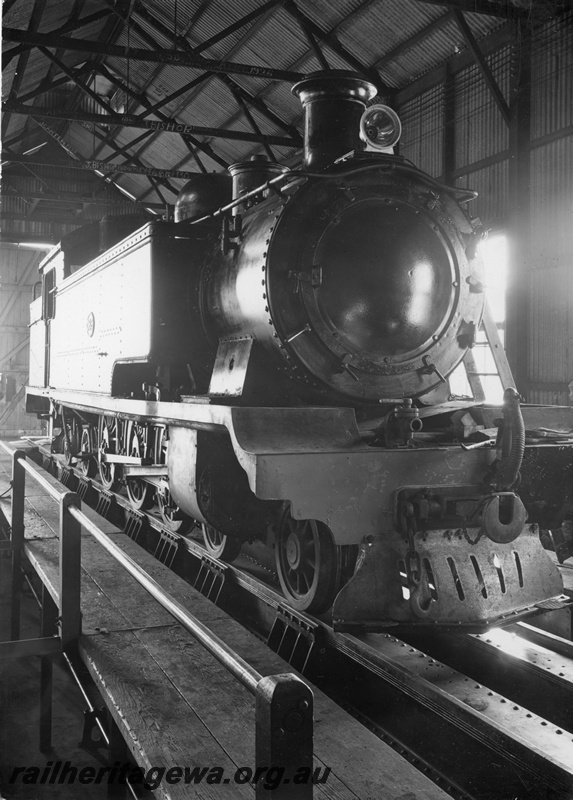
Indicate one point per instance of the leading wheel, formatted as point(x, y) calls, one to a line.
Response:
point(227, 548)
point(307, 563)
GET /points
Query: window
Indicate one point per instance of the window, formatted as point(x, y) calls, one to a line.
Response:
point(49, 294)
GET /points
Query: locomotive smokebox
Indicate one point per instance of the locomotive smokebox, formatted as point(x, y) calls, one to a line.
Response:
point(333, 103)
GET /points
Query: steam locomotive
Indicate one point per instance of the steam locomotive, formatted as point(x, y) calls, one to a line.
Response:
point(274, 365)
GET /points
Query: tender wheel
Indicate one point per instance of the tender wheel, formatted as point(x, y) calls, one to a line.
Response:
point(87, 463)
point(140, 493)
point(227, 548)
point(107, 444)
point(172, 516)
point(307, 564)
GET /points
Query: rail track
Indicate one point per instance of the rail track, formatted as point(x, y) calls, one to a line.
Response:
point(484, 716)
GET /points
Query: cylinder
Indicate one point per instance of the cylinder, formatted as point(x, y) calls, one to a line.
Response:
point(333, 104)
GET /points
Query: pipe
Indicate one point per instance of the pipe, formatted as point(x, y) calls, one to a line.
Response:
point(512, 441)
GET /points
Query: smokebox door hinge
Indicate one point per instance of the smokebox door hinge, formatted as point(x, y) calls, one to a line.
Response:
point(314, 277)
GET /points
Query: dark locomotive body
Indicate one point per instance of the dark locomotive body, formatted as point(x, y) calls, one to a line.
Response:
point(266, 369)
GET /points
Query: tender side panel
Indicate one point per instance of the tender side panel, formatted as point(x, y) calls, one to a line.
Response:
point(102, 317)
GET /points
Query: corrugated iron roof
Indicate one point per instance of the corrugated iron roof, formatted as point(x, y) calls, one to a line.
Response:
point(401, 39)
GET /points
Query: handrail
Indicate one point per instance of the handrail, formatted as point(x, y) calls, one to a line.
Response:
point(248, 676)
point(283, 703)
point(35, 471)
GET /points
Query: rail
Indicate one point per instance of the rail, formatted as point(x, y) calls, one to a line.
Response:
point(283, 703)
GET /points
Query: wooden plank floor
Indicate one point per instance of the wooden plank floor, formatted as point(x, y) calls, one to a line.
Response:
point(174, 703)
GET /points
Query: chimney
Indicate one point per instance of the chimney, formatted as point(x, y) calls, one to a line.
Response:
point(333, 103)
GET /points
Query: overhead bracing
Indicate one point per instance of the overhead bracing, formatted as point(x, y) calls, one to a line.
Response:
point(161, 56)
point(102, 166)
point(135, 121)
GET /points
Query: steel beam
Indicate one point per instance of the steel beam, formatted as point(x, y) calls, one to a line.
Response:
point(413, 41)
point(140, 97)
point(69, 27)
point(517, 297)
point(256, 102)
point(449, 127)
point(19, 72)
point(135, 160)
point(501, 8)
point(336, 47)
point(490, 44)
point(484, 67)
point(7, 5)
point(94, 96)
point(236, 26)
point(47, 85)
point(190, 142)
point(73, 76)
point(77, 156)
point(135, 121)
point(160, 56)
point(252, 121)
point(102, 166)
point(307, 30)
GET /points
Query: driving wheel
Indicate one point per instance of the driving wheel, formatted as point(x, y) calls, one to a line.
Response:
point(227, 548)
point(108, 444)
point(173, 517)
point(140, 493)
point(307, 563)
point(87, 462)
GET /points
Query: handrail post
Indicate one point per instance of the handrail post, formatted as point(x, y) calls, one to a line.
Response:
point(47, 628)
point(70, 571)
point(17, 537)
point(283, 738)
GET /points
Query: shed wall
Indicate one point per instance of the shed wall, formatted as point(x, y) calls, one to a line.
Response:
point(18, 274)
point(480, 160)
